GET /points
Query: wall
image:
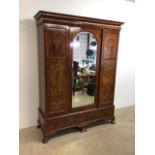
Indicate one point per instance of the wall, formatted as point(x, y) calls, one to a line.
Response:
point(106, 9)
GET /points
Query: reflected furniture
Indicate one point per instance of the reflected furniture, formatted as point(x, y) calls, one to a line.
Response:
point(91, 43)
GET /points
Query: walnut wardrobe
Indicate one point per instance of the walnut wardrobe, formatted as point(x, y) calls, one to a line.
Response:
point(77, 69)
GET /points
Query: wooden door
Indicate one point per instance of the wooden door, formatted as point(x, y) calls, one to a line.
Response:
point(108, 66)
point(56, 47)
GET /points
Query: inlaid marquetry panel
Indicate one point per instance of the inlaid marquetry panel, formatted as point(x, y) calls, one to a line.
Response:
point(109, 44)
point(56, 86)
point(56, 39)
point(107, 78)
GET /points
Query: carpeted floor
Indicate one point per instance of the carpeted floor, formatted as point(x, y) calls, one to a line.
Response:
point(100, 139)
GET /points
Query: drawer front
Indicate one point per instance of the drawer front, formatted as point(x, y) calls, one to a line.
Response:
point(81, 118)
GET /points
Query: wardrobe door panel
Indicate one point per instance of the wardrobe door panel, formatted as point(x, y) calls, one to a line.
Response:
point(56, 81)
point(109, 44)
point(107, 78)
point(56, 69)
point(56, 41)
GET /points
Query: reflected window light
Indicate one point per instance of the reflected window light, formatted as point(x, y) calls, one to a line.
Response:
point(93, 48)
point(75, 44)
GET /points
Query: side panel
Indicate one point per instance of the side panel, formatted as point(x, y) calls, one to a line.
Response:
point(41, 64)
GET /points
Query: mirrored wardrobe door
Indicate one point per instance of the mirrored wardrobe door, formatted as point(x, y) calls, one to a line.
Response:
point(84, 62)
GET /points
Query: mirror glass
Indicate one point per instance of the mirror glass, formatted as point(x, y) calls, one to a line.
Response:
point(83, 69)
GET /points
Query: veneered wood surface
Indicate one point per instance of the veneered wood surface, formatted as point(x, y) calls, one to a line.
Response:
point(41, 67)
point(56, 68)
point(56, 81)
point(106, 84)
point(56, 41)
point(77, 119)
point(110, 42)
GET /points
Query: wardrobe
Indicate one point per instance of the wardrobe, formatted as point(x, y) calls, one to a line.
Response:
point(77, 68)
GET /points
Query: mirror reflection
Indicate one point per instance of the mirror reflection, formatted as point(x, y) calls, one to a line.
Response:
point(83, 69)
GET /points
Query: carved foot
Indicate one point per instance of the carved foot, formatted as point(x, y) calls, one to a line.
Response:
point(113, 121)
point(83, 129)
point(38, 126)
point(45, 140)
